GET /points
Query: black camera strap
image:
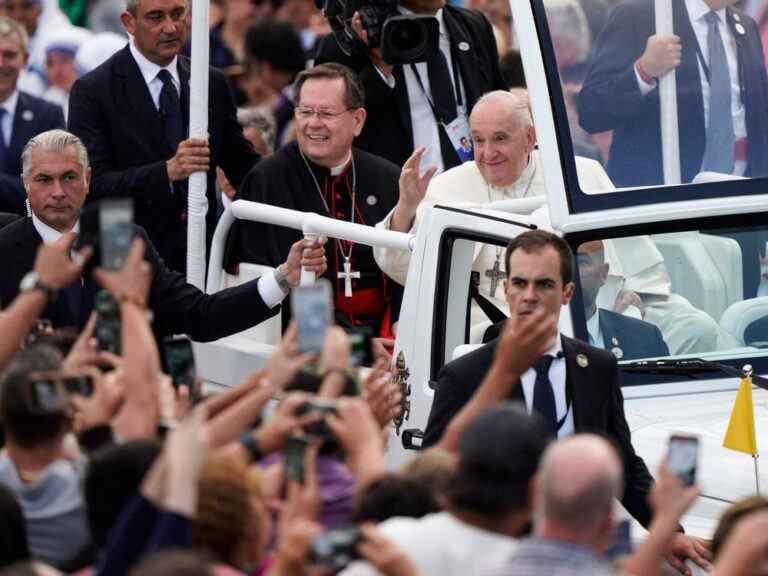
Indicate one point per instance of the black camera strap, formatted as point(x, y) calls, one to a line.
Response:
point(456, 88)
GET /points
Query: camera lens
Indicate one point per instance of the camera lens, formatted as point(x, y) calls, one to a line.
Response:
point(408, 37)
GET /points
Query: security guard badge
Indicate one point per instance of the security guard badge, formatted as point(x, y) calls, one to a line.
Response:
point(616, 351)
point(582, 360)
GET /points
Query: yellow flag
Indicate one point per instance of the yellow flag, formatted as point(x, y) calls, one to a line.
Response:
point(740, 435)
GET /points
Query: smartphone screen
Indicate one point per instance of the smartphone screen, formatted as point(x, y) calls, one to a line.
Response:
point(313, 310)
point(179, 361)
point(361, 352)
point(683, 456)
point(295, 447)
point(115, 231)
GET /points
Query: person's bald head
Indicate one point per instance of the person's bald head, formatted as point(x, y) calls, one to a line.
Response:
point(578, 480)
point(502, 131)
point(593, 272)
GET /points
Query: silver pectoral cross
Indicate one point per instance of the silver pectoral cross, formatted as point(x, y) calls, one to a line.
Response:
point(496, 275)
point(347, 275)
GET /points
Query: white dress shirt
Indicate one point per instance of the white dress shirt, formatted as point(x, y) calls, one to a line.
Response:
point(697, 10)
point(557, 378)
point(150, 70)
point(7, 124)
point(594, 331)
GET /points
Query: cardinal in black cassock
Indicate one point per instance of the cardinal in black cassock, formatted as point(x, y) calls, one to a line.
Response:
point(285, 179)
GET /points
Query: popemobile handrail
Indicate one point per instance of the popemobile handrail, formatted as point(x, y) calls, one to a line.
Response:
point(311, 224)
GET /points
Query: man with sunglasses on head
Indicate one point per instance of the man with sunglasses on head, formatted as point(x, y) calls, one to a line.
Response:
point(321, 172)
point(132, 113)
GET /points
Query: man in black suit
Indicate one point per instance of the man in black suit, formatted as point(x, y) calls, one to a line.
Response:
point(627, 338)
point(132, 113)
point(400, 116)
point(621, 93)
point(57, 177)
point(574, 386)
point(22, 115)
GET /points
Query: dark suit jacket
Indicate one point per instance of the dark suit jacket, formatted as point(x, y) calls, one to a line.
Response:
point(112, 111)
point(179, 308)
point(611, 99)
point(388, 131)
point(33, 116)
point(597, 404)
point(635, 338)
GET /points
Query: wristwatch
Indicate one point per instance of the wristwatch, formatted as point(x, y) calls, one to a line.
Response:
point(31, 281)
point(282, 280)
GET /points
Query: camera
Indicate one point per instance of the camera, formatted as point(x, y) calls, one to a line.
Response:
point(336, 548)
point(403, 39)
point(107, 331)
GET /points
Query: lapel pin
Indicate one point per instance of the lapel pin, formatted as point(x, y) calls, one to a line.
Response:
point(28, 115)
point(464, 46)
point(740, 29)
point(618, 352)
point(615, 341)
point(372, 200)
point(736, 17)
point(582, 360)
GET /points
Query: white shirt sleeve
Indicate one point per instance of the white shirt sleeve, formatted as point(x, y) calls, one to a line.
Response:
point(270, 291)
point(642, 84)
point(388, 80)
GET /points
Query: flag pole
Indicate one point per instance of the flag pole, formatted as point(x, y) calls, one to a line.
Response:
point(747, 371)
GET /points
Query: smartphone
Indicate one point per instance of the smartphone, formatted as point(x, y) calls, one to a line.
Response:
point(44, 395)
point(312, 308)
point(108, 228)
point(361, 346)
point(682, 457)
point(336, 548)
point(321, 408)
point(178, 360)
point(295, 447)
point(108, 329)
point(621, 541)
point(47, 392)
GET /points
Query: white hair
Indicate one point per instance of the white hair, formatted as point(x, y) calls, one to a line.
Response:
point(516, 102)
point(568, 22)
point(53, 141)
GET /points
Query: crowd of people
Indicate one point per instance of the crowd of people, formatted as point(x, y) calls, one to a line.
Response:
point(112, 465)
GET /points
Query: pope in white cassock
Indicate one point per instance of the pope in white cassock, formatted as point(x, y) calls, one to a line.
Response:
point(506, 167)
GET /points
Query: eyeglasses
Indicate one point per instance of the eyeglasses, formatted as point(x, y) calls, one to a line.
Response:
point(306, 113)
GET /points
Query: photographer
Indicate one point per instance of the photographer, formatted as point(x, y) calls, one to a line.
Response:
point(409, 105)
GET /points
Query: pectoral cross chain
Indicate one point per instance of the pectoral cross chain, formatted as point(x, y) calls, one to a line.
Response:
point(347, 275)
point(496, 275)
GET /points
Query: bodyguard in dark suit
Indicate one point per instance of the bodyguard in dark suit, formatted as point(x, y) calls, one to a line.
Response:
point(132, 113)
point(22, 115)
point(400, 117)
point(574, 386)
point(627, 338)
point(57, 179)
point(621, 93)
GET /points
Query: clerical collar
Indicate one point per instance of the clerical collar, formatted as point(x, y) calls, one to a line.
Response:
point(48, 234)
point(521, 187)
point(336, 170)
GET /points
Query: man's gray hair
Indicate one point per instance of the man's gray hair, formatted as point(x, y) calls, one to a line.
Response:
point(9, 27)
point(53, 141)
point(133, 5)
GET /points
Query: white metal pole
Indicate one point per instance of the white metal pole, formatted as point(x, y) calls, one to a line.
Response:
point(197, 202)
point(670, 143)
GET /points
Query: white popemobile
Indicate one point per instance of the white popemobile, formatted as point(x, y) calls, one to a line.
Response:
point(689, 256)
